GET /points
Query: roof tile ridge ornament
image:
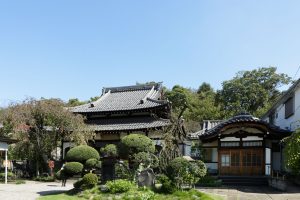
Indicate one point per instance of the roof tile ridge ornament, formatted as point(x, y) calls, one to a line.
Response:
point(132, 88)
point(147, 95)
point(92, 104)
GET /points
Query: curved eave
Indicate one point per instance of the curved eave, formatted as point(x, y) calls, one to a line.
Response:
point(268, 130)
point(127, 124)
point(130, 130)
point(121, 111)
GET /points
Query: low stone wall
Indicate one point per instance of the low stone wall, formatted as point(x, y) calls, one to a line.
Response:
point(278, 184)
point(297, 181)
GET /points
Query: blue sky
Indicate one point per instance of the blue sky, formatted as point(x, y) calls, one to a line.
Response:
point(69, 49)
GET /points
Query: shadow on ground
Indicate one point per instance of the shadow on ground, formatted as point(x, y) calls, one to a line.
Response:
point(44, 193)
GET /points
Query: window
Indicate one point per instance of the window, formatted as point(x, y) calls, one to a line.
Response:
point(272, 118)
point(252, 159)
point(289, 107)
point(208, 154)
point(230, 144)
point(252, 144)
point(225, 160)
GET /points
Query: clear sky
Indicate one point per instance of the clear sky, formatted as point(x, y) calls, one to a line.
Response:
point(68, 49)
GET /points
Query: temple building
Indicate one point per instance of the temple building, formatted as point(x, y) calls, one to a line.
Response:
point(123, 110)
point(243, 146)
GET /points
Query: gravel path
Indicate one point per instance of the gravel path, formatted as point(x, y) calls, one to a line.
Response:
point(31, 190)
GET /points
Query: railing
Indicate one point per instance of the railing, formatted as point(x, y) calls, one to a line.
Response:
point(278, 175)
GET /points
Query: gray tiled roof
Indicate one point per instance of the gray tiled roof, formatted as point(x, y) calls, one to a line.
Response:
point(195, 135)
point(127, 124)
point(244, 118)
point(212, 124)
point(125, 98)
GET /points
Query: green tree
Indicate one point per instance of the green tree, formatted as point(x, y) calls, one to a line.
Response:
point(179, 98)
point(205, 89)
point(181, 171)
point(75, 102)
point(135, 143)
point(201, 105)
point(40, 126)
point(207, 107)
point(138, 149)
point(92, 99)
point(292, 152)
point(110, 150)
point(251, 91)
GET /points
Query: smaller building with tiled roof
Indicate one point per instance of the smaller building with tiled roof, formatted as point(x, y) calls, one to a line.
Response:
point(242, 145)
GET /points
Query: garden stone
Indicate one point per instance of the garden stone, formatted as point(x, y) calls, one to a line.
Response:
point(146, 178)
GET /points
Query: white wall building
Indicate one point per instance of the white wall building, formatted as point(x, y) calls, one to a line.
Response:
point(285, 113)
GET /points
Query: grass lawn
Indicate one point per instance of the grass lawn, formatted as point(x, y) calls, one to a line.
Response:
point(60, 197)
point(179, 195)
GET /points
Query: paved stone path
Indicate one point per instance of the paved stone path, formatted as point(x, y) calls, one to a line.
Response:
point(31, 190)
point(254, 193)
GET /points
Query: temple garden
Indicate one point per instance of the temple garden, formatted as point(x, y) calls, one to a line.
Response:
point(137, 173)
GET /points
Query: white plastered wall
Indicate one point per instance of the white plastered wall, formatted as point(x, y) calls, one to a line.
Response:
point(293, 122)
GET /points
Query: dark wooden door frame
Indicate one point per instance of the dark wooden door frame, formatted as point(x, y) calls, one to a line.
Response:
point(242, 169)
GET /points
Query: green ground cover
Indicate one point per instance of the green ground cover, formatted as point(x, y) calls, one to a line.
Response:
point(136, 194)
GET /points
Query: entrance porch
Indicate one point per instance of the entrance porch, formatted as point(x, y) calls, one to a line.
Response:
point(242, 162)
point(243, 146)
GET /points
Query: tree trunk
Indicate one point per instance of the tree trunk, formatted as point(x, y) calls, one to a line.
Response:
point(37, 165)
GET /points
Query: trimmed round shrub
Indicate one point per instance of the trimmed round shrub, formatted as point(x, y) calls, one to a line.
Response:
point(167, 187)
point(198, 168)
point(177, 167)
point(89, 180)
point(181, 171)
point(110, 150)
point(72, 168)
point(142, 157)
point(119, 186)
point(92, 163)
point(135, 143)
point(82, 153)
